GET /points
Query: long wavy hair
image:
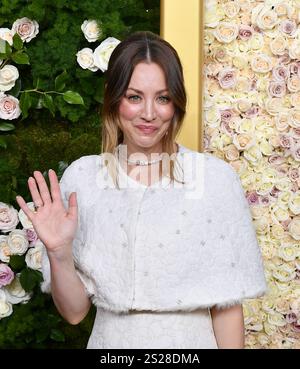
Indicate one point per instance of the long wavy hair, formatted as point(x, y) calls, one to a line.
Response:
point(140, 47)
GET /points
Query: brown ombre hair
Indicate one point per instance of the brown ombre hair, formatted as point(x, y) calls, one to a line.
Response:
point(140, 47)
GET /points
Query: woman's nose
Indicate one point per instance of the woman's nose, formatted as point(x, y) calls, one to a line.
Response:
point(149, 112)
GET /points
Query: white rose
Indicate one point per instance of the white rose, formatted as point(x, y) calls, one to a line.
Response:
point(264, 17)
point(253, 154)
point(294, 50)
point(9, 107)
point(26, 223)
point(91, 30)
point(8, 217)
point(26, 28)
point(8, 76)
point(103, 52)
point(226, 32)
point(283, 9)
point(294, 228)
point(4, 249)
point(294, 203)
point(33, 257)
point(231, 9)
point(243, 141)
point(284, 273)
point(85, 59)
point(257, 42)
point(7, 35)
point(212, 17)
point(15, 293)
point(274, 105)
point(277, 319)
point(278, 45)
point(261, 63)
point(293, 84)
point(5, 307)
point(287, 252)
point(17, 242)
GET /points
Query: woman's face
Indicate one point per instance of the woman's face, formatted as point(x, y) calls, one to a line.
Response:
point(146, 104)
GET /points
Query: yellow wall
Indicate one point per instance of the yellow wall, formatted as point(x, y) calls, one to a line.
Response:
point(181, 25)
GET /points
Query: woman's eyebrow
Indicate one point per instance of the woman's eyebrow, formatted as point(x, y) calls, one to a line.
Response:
point(141, 92)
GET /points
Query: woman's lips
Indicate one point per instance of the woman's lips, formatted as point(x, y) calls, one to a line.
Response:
point(147, 129)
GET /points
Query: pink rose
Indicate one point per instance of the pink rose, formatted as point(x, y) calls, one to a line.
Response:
point(293, 174)
point(276, 89)
point(9, 107)
point(286, 141)
point(245, 32)
point(226, 115)
point(280, 73)
point(295, 132)
point(284, 59)
point(274, 192)
point(31, 236)
point(226, 128)
point(8, 217)
point(295, 152)
point(264, 200)
point(288, 26)
point(285, 223)
point(276, 159)
point(253, 198)
point(26, 28)
point(291, 318)
point(296, 327)
point(6, 275)
point(294, 68)
point(252, 112)
point(227, 78)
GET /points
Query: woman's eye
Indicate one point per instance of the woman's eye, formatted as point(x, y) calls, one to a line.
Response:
point(134, 97)
point(164, 99)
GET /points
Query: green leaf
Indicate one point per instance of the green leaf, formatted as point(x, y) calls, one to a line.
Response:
point(20, 58)
point(60, 81)
point(29, 278)
point(48, 103)
point(4, 127)
point(3, 143)
point(57, 335)
point(17, 262)
point(25, 104)
point(72, 97)
point(2, 48)
point(17, 42)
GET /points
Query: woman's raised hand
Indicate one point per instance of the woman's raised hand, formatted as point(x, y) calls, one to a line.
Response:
point(54, 225)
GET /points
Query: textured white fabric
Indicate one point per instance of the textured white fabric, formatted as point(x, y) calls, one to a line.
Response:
point(163, 248)
point(148, 330)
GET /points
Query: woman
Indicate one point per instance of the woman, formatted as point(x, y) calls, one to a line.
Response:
point(164, 248)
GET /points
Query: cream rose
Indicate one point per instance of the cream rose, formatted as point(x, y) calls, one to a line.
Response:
point(231, 9)
point(282, 122)
point(243, 141)
point(253, 154)
point(8, 76)
point(9, 107)
point(274, 105)
point(294, 118)
point(26, 28)
point(33, 257)
point(15, 293)
point(294, 50)
point(293, 84)
point(295, 99)
point(5, 307)
point(8, 217)
point(277, 231)
point(4, 249)
point(212, 117)
point(284, 273)
point(257, 42)
point(288, 252)
point(17, 242)
point(261, 63)
point(103, 52)
point(283, 9)
point(276, 319)
point(263, 17)
point(231, 153)
point(295, 152)
point(226, 32)
point(26, 223)
point(85, 59)
point(278, 45)
point(91, 30)
point(7, 35)
point(294, 228)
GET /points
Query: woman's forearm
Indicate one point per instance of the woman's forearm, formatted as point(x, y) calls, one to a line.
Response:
point(228, 325)
point(68, 291)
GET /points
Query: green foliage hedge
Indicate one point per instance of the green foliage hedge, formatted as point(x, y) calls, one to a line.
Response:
point(43, 141)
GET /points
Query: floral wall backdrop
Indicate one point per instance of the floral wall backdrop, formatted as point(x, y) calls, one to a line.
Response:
point(252, 120)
